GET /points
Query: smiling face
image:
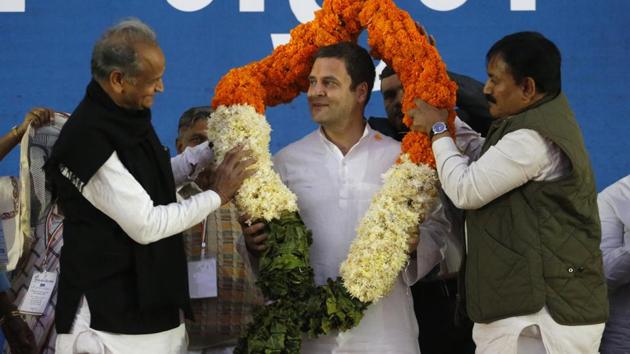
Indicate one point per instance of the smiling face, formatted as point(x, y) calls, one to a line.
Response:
point(138, 92)
point(330, 97)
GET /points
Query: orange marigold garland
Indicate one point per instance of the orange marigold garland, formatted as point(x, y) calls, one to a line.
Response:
point(408, 192)
point(394, 37)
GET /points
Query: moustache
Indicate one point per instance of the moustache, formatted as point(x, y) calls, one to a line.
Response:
point(490, 98)
point(396, 111)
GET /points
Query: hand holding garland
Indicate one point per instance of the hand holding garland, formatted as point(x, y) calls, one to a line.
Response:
point(425, 116)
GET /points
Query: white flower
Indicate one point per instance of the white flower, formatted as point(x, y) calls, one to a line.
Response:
point(263, 195)
point(379, 252)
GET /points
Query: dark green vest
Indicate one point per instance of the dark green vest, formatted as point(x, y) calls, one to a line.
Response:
point(538, 244)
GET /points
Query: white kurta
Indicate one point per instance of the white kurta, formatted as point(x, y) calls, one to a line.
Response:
point(334, 192)
point(614, 213)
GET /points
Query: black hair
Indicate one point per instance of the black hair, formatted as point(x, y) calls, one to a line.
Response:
point(358, 63)
point(387, 72)
point(530, 54)
point(192, 115)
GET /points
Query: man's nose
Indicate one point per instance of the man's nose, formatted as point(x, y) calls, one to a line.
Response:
point(486, 87)
point(160, 86)
point(316, 90)
point(400, 93)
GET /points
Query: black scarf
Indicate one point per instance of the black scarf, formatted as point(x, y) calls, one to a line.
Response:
point(96, 129)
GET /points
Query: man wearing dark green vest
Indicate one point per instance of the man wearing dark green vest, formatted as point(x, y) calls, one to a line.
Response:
point(534, 278)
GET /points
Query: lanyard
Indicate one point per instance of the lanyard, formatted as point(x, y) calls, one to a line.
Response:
point(204, 224)
point(52, 234)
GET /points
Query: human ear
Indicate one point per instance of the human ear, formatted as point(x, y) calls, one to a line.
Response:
point(362, 92)
point(116, 81)
point(528, 89)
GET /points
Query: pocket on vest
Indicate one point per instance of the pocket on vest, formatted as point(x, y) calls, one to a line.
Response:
point(504, 280)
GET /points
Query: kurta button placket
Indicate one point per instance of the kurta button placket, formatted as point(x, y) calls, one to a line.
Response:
point(344, 188)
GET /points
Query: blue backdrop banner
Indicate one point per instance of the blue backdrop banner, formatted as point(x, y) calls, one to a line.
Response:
point(45, 49)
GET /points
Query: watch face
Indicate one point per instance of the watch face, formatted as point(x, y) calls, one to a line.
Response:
point(439, 127)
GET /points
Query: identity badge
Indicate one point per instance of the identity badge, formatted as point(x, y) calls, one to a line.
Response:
point(39, 292)
point(202, 278)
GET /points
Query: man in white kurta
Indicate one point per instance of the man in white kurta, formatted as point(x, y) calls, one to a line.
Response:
point(334, 192)
point(335, 171)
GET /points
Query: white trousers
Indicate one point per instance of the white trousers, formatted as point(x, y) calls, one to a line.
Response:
point(536, 333)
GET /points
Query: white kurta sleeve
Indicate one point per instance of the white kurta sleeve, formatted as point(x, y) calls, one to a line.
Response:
point(187, 165)
point(116, 193)
point(468, 140)
point(614, 203)
point(431, 247)
point(520, 156)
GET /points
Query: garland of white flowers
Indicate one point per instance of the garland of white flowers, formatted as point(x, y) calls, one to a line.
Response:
point(263, 195)
point(379, 252)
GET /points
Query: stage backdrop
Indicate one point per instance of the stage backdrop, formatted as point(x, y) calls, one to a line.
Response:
point(45, 49)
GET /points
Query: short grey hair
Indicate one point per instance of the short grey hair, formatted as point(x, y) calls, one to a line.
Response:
point(116, 49)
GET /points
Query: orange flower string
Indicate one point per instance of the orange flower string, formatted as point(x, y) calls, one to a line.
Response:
point(394, 37)
point(408, 190)
point(281, 76)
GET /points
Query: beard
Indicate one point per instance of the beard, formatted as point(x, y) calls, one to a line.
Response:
point(395, 118)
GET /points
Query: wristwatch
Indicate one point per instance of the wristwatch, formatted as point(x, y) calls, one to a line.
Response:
point(437, 128)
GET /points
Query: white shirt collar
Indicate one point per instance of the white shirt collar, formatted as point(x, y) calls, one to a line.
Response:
point(367, 132)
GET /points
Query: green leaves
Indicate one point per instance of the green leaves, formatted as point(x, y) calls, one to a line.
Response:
point(296, 305)
point(284, 267)
point(332, 309)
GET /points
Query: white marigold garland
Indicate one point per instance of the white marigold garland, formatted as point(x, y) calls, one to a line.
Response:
point(263, 195)
point(379, 252)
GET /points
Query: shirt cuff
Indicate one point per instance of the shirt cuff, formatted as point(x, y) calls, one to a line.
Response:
point(215, 199)
point(187, 165)
point(444, 146)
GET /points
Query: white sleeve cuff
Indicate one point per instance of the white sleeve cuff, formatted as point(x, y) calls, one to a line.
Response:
point(187, 165)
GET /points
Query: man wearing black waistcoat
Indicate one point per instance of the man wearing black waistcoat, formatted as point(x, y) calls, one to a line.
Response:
point(123, 279)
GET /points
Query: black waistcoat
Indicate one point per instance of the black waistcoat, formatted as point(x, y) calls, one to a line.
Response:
point(130, 288)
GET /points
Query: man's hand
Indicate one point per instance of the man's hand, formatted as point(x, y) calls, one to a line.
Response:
point(19, 336)
point(229, 176)
point(205, 179)
point(37, 117)
point(423, 32)
point(425, 115)
point(255, 235)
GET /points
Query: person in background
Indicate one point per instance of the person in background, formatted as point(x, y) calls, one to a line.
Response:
point(443, 329)
point(17, 333)
point(614, 213)
point(35, 117)
point(219, 319)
